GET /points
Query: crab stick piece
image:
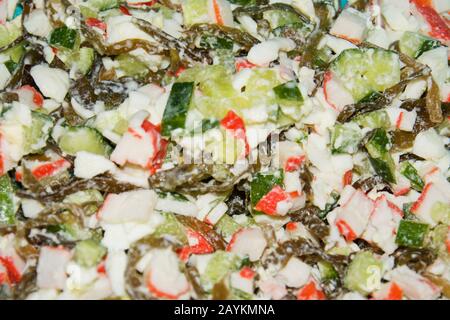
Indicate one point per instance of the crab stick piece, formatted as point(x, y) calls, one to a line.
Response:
point(220, 12)
point(128, 206)
point(413, 285)
point(51, 269)
point(276, 202)
point(311, 291)
point(351, 25)
point(389, 291)
point(334, 92)
point(295, 273)
point(31, 97)
point(163, 276)
point(248, 242)
point(354, 212)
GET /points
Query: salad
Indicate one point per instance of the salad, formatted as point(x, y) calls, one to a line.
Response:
point(224, 149)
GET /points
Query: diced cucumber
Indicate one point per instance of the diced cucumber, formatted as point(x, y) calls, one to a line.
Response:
point(195, 11)
point(82, 58)
point(411, 233)
point(440, 212)
point(262, 183)
point(378, 148)
point(364, 273)
point(218, 95)
point(177, 106)
point(226, 226)
point(288, 92)
point(63, 37)
point(7, 207)
point(296, 30)
point(10, 31)
point(91, 200)
point(110, 120)
point(322, 57)
point(438, 239)
point(224, 57)
point(15, 53)
point(76, 139)
point(373, 120)
point(11, 66)
point(89, 253)
point(406, 208)
point(84, 196)
point(345, 138)
point(87, 12)
point(280, 18)
point(171, 228)
point(220, 264)
point(363, 71)
point(36, 135)
point(213, 42)
point(102, 5)
point(132, 66)
point(85, 59)
point(414, 44)
point(289, 99)
point(408, 170)
point(327, 271)
point(213, 81)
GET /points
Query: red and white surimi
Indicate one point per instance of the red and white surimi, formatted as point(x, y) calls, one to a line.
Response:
point(220, 12)
point(6, 163)
point(131, 206)
point(197, 245)
point(96, 23)
point(383, 225)
point(430, 196)
point(139, 145)
point(241, 64)
point(354, 212)
point(30, 97)
point(335, 93)
point(163, 276)
point(295, 273)
point(48, 169)
point(11, 264)
point(437, 27)
point(311, 291)
point(289, 156)
point(275, 202)
point(413, 285)
point(51, 268)
point(235, 124)
point(272, 288)
point(351, 25)
point(248, 242)
point(243, 280)
point(402, 119)
point(389, 291)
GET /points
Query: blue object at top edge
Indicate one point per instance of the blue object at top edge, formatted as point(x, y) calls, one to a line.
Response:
point(18, 11)
point(342, 3)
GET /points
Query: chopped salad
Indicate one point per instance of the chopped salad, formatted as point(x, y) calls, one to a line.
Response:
point(224, 149)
